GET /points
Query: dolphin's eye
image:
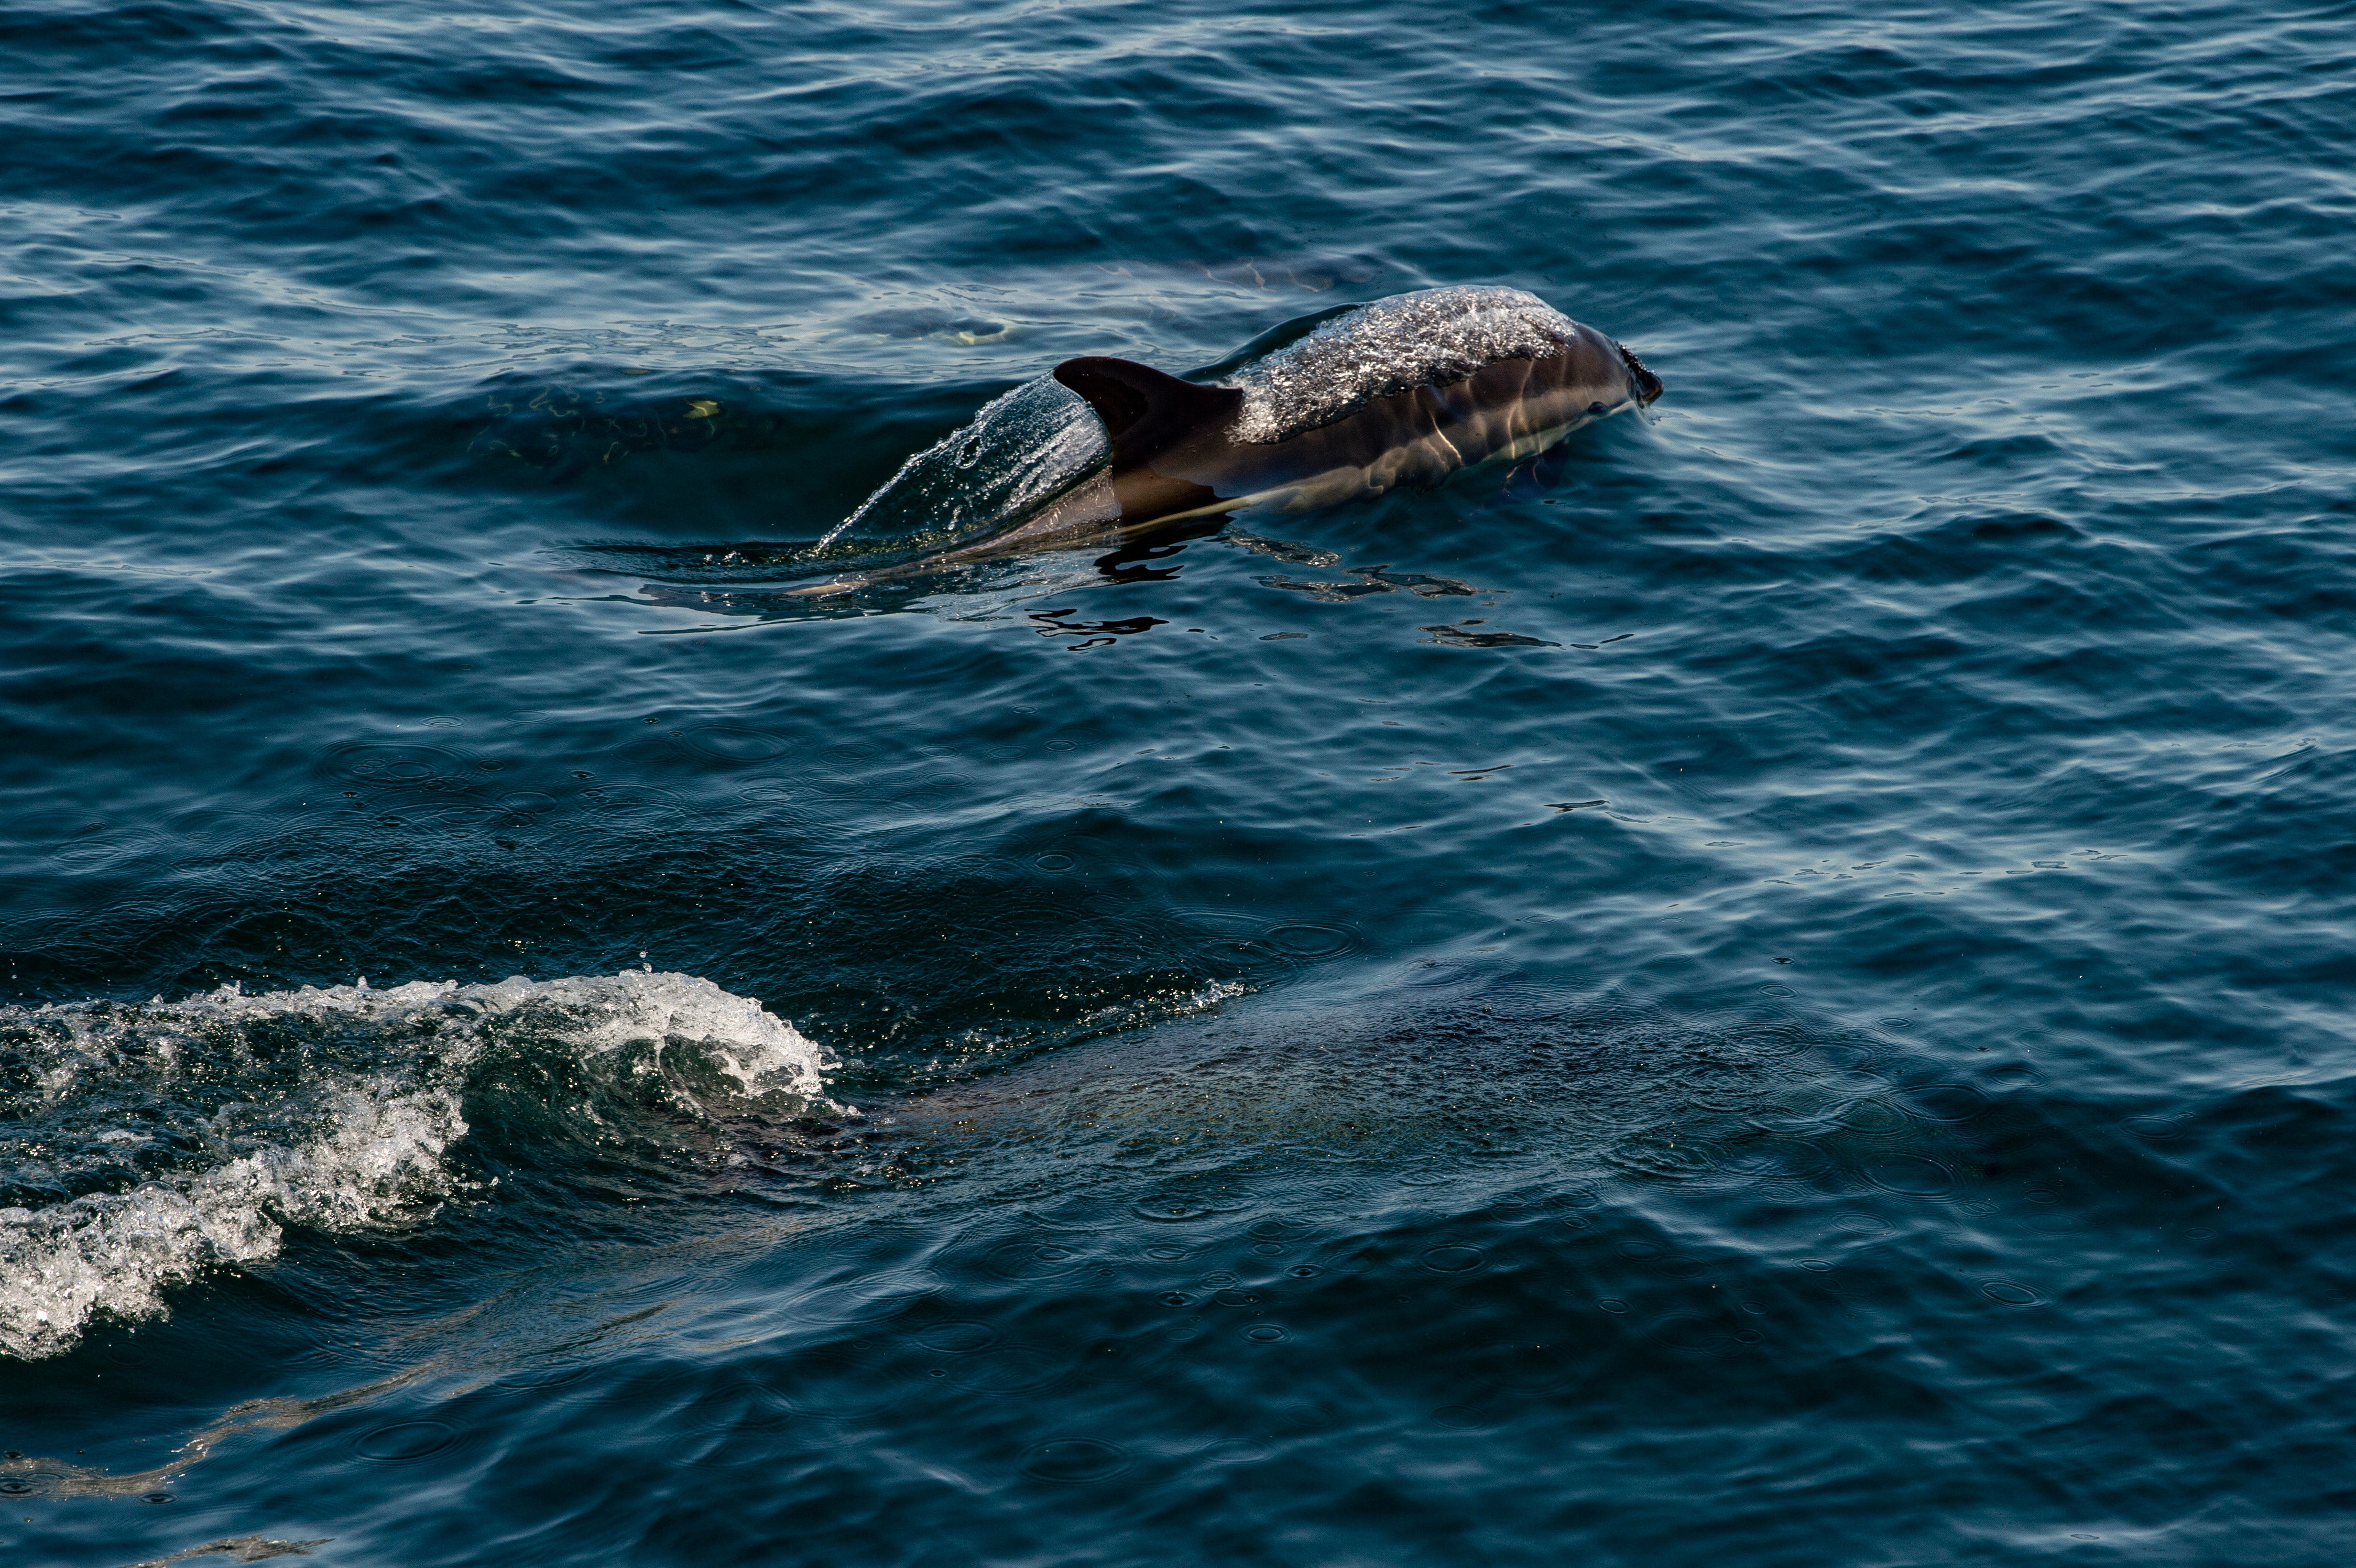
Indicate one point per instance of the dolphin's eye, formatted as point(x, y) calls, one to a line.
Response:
point(969, 452)
point(1595, 408)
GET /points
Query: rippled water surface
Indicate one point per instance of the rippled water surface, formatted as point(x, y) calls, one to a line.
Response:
point(1771, 984)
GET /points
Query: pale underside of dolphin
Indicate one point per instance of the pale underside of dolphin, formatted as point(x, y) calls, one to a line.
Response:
point(1400, 393)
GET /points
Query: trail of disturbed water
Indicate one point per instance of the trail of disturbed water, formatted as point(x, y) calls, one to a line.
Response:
point(146, 1143)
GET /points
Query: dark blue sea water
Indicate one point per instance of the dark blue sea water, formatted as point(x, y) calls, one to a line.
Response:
point(1772, 986)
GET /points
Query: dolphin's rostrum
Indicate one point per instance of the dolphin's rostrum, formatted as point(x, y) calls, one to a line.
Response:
point(1401, 392)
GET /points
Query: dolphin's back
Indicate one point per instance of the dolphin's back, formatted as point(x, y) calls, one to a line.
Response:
point(1400, 393)
point(1490, 414)
point(1435, 337)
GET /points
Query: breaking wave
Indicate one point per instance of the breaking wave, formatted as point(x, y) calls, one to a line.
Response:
point(146, 1143)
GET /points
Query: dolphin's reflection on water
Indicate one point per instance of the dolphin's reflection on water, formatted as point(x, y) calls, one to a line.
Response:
point(984, 591)
point(995, 589)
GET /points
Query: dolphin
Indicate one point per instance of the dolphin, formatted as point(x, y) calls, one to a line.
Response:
point(1400, 393)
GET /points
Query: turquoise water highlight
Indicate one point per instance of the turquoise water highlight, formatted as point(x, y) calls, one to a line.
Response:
point(1774, 983)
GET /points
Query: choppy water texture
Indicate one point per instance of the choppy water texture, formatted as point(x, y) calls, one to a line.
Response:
point(1772, 984)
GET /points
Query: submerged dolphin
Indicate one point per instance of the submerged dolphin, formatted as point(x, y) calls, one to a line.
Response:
point(1401, 392)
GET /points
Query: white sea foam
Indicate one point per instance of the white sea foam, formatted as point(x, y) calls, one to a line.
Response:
point(1429, 338)
point(147, 1143)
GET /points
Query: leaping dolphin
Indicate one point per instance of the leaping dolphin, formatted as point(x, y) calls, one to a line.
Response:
point(1401, 392)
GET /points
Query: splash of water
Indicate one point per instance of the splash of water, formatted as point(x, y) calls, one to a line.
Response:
point(1022, 450)
point(146, 1142)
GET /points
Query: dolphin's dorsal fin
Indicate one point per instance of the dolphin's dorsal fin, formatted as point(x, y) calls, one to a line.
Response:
point(1144, 411)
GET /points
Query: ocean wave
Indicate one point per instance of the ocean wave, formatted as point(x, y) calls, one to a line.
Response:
point(149, 1142)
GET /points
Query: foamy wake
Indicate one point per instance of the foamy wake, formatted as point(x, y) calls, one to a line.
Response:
point(146, 1142)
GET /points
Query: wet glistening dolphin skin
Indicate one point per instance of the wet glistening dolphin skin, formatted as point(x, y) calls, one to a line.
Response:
point(1401, 392)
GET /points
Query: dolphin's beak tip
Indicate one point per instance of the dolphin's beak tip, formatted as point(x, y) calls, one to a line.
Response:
point(1646, 385)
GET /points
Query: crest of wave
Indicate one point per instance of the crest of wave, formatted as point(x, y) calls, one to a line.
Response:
point(146, 1143)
